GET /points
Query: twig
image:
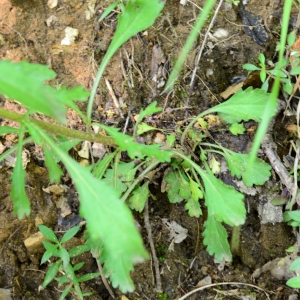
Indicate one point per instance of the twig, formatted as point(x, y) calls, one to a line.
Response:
point(154, 257)
point(223, 283)
point(112, 93)
point(204, 42)
point(269, 148)
point(104, 279)
point(10, 238)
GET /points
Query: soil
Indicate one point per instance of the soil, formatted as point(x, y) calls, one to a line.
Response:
point(27, 34)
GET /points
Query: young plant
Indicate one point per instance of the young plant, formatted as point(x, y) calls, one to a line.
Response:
point(62, 264)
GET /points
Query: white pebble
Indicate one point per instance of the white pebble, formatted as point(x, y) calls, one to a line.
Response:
point(221, 33)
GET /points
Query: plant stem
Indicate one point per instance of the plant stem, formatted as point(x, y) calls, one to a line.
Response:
point(60, 130)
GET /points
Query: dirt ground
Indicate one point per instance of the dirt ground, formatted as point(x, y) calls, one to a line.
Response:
point(30, 30)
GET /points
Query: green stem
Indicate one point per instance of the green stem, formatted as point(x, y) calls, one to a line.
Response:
point(60, 130)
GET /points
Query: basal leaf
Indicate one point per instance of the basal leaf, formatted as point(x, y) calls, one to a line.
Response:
point(138, 15)
point(223, 202)
point(32, 93)
point(107, 219)
point(126, 143)
point(139, 198)
point(196, 191)
point(149, 110)
point(237, 128)
point(54, 170)
point(144, 127)
point(172, 179)
point(18, 192)
point(193, 208)
point(238, 164)
point(244, 105)
point(215, 238)
point(184, 186)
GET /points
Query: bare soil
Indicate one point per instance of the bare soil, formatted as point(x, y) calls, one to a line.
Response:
point(25, 35)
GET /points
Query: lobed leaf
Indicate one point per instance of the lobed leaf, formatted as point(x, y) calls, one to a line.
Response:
point(139, 198)
point(126, 143)
point(238, 164)
point(149, 110)
point(244, 105)
point(223, 202)
point(18, 192)
point(32, 93)
point(54, 170)
point(215, 238)
point(107, 219)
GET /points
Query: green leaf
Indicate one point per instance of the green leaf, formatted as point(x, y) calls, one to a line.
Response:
point(244, 105)
point(18, 193)
point(295, 71)
point(138, 15)
point(149, 110)
point(184, 186)
point(69, 234)
point(223, 202)
point(78, 266)
point(196, 191)
point(237, 128)
point(117, 178)
point(295, 265)
point(87, 277)
point(107, 219)
point(250, 67)
point(54, 170)
point(238, 164)
point(102, 165)
point(108, 11)
point(193, 208)
point(291, 215)
point(294, 282)
point(263, 75)
point(279, 73)
point(261, 58)
point(51, 273)
point(32, 93)
point(172, 178)
point(69, 96)
point(48, 233)
point(79, 250)
point(214, 165)
point(65, 292)
point(139, 198)
point(50, 251)
point(291, 38)
point(126, 143)
point(144, 127)
point(64, 255)
point(8, 129)
point(215, 238)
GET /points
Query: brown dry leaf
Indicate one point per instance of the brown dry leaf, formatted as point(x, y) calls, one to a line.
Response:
point(231, 90)
point(291, 128)
point(158, 58)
